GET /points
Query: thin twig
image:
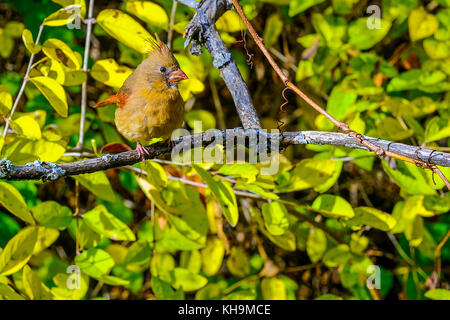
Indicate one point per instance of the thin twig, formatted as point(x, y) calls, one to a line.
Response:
point(437, 254)
point(87, 46)
point(341, 125)
point(24, 83)
point(171, 23)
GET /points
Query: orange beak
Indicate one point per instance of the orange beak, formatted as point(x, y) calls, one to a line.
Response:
point(177, 76)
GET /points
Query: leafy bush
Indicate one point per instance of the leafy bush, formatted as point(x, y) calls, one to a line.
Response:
point(331, 222)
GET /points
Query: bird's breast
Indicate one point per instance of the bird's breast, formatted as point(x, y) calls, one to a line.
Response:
point(150, 115)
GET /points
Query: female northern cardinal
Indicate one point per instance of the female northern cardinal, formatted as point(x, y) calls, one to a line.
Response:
point(149, 104)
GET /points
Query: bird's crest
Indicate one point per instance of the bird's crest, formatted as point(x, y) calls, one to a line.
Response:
point(155, 44)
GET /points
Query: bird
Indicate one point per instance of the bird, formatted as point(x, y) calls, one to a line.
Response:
point(149, 103)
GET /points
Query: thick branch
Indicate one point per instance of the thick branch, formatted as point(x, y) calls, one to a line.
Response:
point(201, 30)
point(50, 171)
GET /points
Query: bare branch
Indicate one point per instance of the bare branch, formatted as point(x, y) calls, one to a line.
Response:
point(50, 171)
point(201, 30)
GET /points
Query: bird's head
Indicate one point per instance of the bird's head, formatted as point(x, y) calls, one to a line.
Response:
point(162, 69)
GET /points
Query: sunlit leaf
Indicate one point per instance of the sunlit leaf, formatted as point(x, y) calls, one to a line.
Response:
point(98, 184)
point(54, 93)
point(110, 73)
point(107, 225)
point(63, 16)
point(421, 24)
point(13, 201)
point(125, 29)
point(149, 12)
point(61, 52)
point(18, 251)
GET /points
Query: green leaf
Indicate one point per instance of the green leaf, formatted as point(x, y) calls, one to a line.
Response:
point(240, 170)
point(409, 177)
point(339, 102)
point(316, 244)
point(212, 256)
point(33, 286)
point(53, 92)
point(94, 262)
point(125, 29)
point(187, 280)
point(107, 225)
point(238, 263)
point(8, 293)
point(27, 38)
point(333, 206)
point(223, 193)
point(53, 215)
point(337, 256)
point(421, 24)
point(273, 289)
point(46, 237)
point(438, 294)
point(5, 101)
point(328, 296)
point(320, 174)
point(230, 21)
point(138, 256)
point(148, 12)
point(374, 218)
point(156, 174)
point(63, 16)
point(256, 189)
point(107, 71)
point(18, 251)
point(98, 184)
point(62, 292)
point(364, 38)
point(13, 201)
point(113, 281)
point(275, 217)
point(208, 121)
point(298, 6)
point(272, 30)
point(163, 290)
point(436, 49)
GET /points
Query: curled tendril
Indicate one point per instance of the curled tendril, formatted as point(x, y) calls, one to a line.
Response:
point(286, 101)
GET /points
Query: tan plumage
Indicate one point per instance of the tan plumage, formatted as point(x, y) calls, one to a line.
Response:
point(150, 105)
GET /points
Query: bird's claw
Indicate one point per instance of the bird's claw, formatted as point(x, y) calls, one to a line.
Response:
point(142, 151)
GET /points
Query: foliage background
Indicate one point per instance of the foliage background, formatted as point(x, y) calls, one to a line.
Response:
point(314, 228)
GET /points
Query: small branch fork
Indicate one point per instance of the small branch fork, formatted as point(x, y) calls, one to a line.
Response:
point(342, 126)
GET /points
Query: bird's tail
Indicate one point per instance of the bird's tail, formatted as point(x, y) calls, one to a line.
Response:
point(114, 99)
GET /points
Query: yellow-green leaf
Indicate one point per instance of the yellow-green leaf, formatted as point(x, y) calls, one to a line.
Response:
point(333, 206)
point(27, 126)
point(149, 12)
point(27, 38)
point(13, 201)
point(34, 288)
point(212, 256)
point(275, 217)
point(5, 102)
point(316, 244)
point(273, 289)
point(63, 16)
point(230, 21)
point(125, 29)
point(98, 184)
point(421, 24)
point(62, 292)
point(46, 237)
point(438, 294)
point(374, 218)
point(110, 73)
point(54, 93)
point(57, 50)
point(18, 251)
point(107, 225)
point(223, 193)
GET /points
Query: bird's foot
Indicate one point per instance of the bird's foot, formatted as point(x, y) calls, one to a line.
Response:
point(142, 151)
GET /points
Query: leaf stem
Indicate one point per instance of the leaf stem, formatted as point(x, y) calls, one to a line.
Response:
point(24, 83)
point(87, 46)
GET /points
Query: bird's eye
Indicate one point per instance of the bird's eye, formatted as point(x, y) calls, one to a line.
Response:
point(163, 69)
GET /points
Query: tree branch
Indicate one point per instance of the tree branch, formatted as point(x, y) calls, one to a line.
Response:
point(201, 30)
point(50, 171)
